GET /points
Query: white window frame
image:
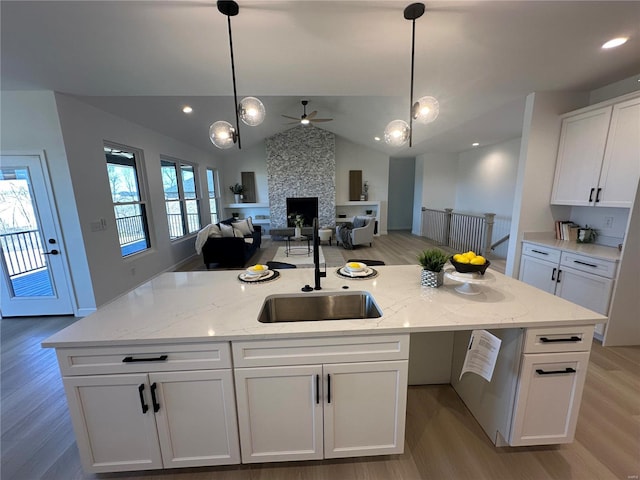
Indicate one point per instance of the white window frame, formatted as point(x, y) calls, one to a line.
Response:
point(185, 217)
point(215, 217)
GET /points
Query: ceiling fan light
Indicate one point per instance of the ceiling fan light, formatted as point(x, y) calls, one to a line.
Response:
point(222, 134)
point(396, 133)
point(251, 111)
point(305, 121)
point(426, 110)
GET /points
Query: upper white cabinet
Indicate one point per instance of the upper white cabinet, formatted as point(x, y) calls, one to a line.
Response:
point(599, 157)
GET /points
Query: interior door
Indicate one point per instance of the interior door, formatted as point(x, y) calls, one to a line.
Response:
point(34, 280)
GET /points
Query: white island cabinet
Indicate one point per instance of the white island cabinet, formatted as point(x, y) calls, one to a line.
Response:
point(169, 410)
point(308, 404)
point(180, 372)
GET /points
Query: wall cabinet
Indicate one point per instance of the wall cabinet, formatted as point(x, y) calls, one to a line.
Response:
point(152, 420)
point(599, 157)
point(581, 279)
point(321, 409)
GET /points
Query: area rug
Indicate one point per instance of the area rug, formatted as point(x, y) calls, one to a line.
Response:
point(299, 259)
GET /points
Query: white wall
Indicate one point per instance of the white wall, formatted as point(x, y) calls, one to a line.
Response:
point(84, 130)
point(246, 160)
point(30, 123)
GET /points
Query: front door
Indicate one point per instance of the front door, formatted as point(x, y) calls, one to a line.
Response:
point(34, 280)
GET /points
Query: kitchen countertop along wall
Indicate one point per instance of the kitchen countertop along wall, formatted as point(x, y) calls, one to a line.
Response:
point(548, 239)
point(216, 306)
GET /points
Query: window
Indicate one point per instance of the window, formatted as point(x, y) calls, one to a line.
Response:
point(180, 196)
point(128, 201)
point(213, 195)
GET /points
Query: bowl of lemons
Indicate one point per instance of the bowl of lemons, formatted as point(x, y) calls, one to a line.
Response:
point(469, 262)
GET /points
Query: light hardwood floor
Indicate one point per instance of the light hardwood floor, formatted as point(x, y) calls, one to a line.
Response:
point(442, 440)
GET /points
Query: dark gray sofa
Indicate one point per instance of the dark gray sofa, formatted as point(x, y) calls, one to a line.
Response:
point(230, 252)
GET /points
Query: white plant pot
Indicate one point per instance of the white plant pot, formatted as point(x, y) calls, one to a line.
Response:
point(297, 232)
point(238, 197)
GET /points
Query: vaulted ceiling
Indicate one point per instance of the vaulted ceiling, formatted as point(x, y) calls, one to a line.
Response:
point(143, 60)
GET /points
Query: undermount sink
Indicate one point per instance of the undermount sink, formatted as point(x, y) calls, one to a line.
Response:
point(319, 306)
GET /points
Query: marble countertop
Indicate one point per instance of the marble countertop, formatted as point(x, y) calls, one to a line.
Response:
point(548, 239)
point(183, 307)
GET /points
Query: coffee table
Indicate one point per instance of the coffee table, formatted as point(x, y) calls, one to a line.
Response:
point(298, 249)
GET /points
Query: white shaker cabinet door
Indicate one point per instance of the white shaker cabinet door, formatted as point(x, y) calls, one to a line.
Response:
point(621, 166)
point(280, 413)
point(539, 273)
point(364, 411)
point(114, 422)
point(196, 417)
point(548, 398)
point(580, 154)
point(590, 291)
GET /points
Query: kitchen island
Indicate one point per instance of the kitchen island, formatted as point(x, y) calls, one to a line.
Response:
point(184, 367)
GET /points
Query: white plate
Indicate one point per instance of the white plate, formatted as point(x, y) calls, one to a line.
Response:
point(363, 273)
point(258, 273)
point(360, 267)
point(247, 277)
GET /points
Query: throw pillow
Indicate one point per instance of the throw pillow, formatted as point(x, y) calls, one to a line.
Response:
point(214, 231)
point(250, 222)
point(243, 226)
point(227, 230)
point(237, 232)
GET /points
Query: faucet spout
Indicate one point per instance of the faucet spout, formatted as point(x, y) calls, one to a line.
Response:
point(316, 256)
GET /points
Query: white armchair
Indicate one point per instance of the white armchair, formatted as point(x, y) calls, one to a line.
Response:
point(359, 235)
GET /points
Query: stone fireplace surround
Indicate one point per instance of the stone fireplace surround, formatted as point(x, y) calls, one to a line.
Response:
point(301, 163)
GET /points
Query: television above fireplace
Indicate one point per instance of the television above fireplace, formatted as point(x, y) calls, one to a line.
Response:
point(305, 206)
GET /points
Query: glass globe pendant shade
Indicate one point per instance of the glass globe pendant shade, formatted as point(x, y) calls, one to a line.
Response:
point(426, 110)
point(396, 133)
point(251, 111)
point(222, 134)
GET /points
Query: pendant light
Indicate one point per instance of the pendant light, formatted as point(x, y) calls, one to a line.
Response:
point(426, 109)
point(250, 109)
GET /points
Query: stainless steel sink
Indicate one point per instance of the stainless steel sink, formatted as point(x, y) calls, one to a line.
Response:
point(318, 306)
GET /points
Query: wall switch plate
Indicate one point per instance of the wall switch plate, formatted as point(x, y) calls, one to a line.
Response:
point(608, 222)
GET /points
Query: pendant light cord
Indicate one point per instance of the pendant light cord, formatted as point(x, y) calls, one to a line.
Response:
point(413, 49)
point(233, 75)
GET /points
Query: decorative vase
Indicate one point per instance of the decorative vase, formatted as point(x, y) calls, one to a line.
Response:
point(298, 232)
point(432, 279)
point(237, 197)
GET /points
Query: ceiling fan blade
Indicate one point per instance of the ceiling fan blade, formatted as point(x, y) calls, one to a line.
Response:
point(312, 114)
point(321, 120)
point(291, 123)
point(292, 118)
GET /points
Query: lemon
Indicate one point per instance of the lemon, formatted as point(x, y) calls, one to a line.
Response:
point(470, 254)
point(478, 260)
point(258, 267)
point(461, 259)
point(457, 257)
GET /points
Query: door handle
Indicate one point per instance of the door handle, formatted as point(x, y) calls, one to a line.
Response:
point(317, 389)
point(328, 388)
point(52, 252)
point(154, 401)
point(553, 275)
point(591, 195)
point(539, 371)
point(144, 406)
point(598, 195)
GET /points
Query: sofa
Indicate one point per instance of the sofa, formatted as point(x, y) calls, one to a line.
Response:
point(230, 251)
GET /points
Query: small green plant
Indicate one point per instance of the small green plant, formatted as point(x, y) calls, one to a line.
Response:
point(237, 189)
point(433, 259)
point(298, 221)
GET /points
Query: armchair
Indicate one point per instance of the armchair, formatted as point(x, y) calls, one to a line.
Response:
point(360, 233)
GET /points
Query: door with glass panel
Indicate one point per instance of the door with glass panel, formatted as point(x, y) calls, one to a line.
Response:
point(34, 278)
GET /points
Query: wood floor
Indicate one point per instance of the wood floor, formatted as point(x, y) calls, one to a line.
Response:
point(442, 440)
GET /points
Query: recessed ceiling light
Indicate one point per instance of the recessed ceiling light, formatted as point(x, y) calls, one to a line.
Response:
point(377, 139)
point(475, 144)
point(615, 42)
point(187, 109)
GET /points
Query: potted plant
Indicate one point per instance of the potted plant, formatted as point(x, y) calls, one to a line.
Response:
point(432, 261)
point(237, 190)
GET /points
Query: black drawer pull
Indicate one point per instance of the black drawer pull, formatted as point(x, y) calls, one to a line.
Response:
point(598, 195)
point(156, 405)
point(559, 272)
point(591, 195)
point(317, 389)
point(585, 263)
point(538, 251)
point(328, 388)
point(144, 406)
point(573, 338)
point(161, 358)
point(553, 275)
point(539, 371)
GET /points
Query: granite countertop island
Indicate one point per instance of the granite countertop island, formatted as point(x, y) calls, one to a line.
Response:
point(199, 306)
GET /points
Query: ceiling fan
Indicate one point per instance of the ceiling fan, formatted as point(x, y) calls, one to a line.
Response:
point(306, 119)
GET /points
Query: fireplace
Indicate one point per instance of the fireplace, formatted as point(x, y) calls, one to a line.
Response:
point(305, 206)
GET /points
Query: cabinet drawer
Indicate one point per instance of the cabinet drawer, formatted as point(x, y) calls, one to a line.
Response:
point(544, 253)
point(588, 264)
point(262, 353)
point(147, 358)
point(558, 339)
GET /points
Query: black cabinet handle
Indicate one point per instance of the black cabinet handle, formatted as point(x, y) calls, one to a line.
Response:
point(328, 388)
point(573, 338)
point(161, 358)
point(585, 263)
point(156, 405)
point(317, 389)
point(539, 371)
point(598, 195)
point(52, 252)
point(538, 251)
point(144, 406)
point(591, 195)
point(559, 272)
point(553, 274)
